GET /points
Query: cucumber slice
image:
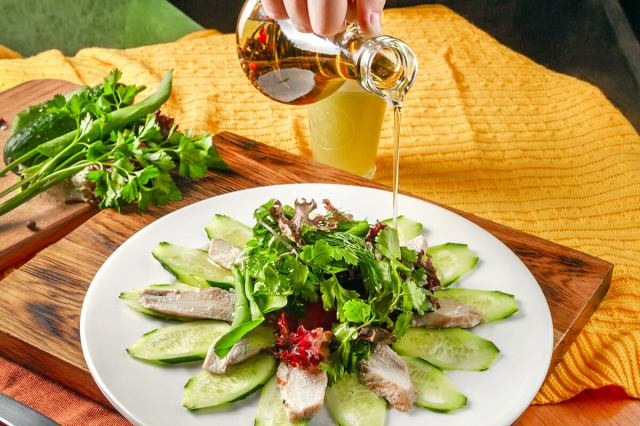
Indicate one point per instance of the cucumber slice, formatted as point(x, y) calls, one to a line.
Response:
point(351, 403)
point(178, 343)
point(271, 410)
point(494, 305)
point(230, 230)
point(207, 390)
point(192, 266)
point(452, 260)
point(130, 297)
point(434, 390)
point(448, 348)
point(407, 228)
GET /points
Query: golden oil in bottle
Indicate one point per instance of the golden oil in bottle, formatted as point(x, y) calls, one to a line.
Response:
point(301, 68)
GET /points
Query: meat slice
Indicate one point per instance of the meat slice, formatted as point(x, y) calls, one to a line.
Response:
point(451, 313)
point(207, 303)
point(302, 391)
point(387, 375)
point(417, 244)
point(241, 351)
point(223, 252)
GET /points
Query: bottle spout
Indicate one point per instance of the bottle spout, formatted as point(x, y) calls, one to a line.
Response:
point(387, 68)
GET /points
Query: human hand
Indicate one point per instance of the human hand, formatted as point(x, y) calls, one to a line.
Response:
point(327, 17)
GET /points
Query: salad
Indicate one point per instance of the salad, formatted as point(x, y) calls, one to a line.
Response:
point(315, 307)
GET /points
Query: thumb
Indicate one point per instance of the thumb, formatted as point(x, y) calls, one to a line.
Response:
point(368, 14)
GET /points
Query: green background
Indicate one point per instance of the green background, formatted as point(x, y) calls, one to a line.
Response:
point(31, 26)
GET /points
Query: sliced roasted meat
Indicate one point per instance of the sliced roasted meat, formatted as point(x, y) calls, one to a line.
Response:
point(241, 351)
point(450, 313)
point(376, 335)
point(223, 252)
point(302, 390)
point(417, 244)
point(387, 375)
point(206, 303)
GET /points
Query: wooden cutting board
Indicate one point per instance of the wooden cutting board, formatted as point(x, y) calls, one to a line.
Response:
point(51, 218)
point(40, 302)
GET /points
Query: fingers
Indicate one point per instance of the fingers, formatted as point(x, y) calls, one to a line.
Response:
point(275, 9)
point(299, 14)
point(352, 11)
point(368, 13)
point(327, 17)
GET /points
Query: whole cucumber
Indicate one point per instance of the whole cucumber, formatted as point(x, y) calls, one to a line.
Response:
point(42, 129)
point(115, 120)
point(34, 112)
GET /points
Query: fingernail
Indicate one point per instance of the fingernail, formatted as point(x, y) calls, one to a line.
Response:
point(374, 23)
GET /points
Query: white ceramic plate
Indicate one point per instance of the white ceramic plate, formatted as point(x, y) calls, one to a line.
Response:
point(151, 395)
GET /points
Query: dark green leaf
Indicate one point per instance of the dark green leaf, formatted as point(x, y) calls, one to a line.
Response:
point(357, 311)
point(233, 336)
point(321, 254)
point(194, 156)
point(160, 159)
point(75, 105)
point(111, 81)
point(387, 243)
point(408, 255)
point(270, 282)
point(262, 212)
point(271, 303)
point(58, 102)
point(334, 295)
point(214, 160)
point(350, 352)
point(146, 174)
point(402, 323)
point(97, 150)
point(417, 296)
point(150, 131)
point(130, 191)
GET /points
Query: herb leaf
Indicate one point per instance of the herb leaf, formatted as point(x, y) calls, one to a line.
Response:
point(333, 294)
point(387, 243)
point(193, 154)
point(357, 311)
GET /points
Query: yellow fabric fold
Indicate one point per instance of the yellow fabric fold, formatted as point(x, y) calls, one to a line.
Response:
point(485, 130)
point(6, 53)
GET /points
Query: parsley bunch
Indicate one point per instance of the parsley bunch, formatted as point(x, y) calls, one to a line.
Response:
point(125, 152)
point(135, 164)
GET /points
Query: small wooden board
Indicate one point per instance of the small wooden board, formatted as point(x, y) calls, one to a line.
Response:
point(40, 302)
point(52, 218)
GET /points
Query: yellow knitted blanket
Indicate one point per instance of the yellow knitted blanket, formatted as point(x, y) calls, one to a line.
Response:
point(485, 130)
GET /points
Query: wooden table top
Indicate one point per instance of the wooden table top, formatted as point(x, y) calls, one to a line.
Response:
point(608, 406)
point(571, 273)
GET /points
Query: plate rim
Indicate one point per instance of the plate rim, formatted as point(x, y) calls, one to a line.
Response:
point(514, 414)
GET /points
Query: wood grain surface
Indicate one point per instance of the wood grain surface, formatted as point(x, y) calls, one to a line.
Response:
point(608, 406)
point(53, 219)
point(40, 302)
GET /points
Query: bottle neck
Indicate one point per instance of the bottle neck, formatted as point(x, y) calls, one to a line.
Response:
point(383, 65)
